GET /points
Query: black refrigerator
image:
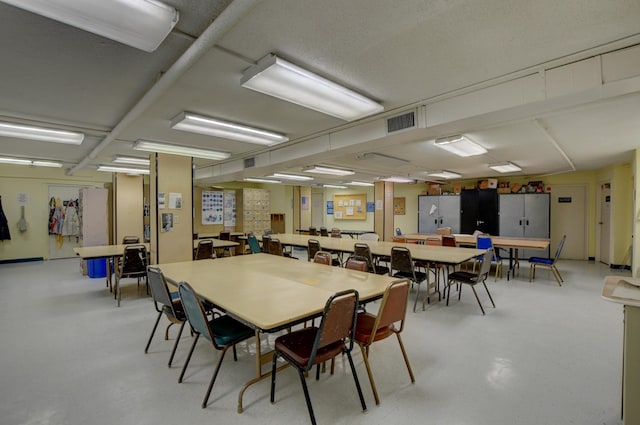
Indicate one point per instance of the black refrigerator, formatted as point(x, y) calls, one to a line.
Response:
point(479, 211)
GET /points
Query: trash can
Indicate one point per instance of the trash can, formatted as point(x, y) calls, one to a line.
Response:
point(97, 267)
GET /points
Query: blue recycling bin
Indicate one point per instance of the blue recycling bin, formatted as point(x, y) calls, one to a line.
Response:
point(97, 267)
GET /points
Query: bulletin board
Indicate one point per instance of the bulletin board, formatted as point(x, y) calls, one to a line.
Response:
point(350, 207)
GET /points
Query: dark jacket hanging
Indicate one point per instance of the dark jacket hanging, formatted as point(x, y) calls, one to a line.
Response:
point(4, 227)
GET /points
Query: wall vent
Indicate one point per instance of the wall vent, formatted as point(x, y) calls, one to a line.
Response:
point(249, 162)
point(401, 122)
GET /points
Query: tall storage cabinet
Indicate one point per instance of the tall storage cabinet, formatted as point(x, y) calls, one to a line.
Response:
point(253, 211)
point(525, 215)
point(438, 211)
point(479, 211)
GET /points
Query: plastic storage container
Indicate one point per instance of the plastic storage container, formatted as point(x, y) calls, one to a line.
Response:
point(97, 267)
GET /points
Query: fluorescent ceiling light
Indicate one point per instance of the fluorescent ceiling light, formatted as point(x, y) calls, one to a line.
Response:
point(50, 164)
point(142, 24)
point(122, 170)
point(360, 184)
point(444, 174)
point(334, 186)
point(396, 179)
point(143, 145)
point(328, 170)
point(39, 133)
point(290, 176)
point(276, 77)
point(132, 160)
point(257, 180)
point(193, 123)
point(507, 167)
point(460, 145)
point(19, 161)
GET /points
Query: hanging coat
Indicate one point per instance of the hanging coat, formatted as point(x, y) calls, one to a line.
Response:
point(58, 219)
point(71, 222)
point(4, 226)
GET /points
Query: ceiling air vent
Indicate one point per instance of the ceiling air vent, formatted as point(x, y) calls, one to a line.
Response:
point(401, 122)
point(249, 162)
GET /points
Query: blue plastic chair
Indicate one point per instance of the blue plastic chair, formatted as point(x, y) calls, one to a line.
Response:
point(484, 242)
point(547, 262)
point(253, 244)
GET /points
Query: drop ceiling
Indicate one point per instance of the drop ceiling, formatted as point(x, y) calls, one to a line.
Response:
point(483, 69)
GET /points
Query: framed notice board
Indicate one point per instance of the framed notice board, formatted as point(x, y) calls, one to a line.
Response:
point(350, 207)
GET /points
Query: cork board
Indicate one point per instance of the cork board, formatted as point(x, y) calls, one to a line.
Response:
point(398, 206)
point(350, 207)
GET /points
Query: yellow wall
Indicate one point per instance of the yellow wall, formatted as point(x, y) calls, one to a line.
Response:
point(35, 181)
point(331, 222)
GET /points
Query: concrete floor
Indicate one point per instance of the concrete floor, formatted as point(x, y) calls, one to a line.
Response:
point(546, 355)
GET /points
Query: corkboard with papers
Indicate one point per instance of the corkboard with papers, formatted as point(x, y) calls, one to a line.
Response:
point(350, 207)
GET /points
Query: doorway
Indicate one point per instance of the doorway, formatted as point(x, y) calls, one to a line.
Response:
point(604, 224)
point(569, 217)
point(317, 209)
point(65, 236)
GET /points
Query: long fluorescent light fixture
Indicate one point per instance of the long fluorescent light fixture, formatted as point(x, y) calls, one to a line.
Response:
point(328, 170)
point(277, 77)
point(122, 170)
point(507, 167)
point(142, 24)
point(144, 145)
point(37, 163)
point(444, 174)
point(258, 180)
point(334, 186)
point(290, 176)
point(131, 160)
point(40, 133)
point(360, 184)
point(186, 121)
point(460, 145)
point(396, 179)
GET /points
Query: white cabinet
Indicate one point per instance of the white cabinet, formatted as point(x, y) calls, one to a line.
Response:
point(525, 215)
point(438, 211)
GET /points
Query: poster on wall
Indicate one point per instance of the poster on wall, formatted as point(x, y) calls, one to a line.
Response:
point(229, 209)
point(167, 222)
point(212, 204)
point(175, 200)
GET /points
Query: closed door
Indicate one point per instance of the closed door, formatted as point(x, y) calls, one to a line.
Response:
point(479, 211)
point(605, 223)
point(317, 210)
point(428, 213)
point(512, 215)
point(449, 213)
point(569, 216)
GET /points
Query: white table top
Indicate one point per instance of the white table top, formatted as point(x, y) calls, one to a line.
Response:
point(498, 241)
point(622, 290)
point(103, 251)
point(268, 292)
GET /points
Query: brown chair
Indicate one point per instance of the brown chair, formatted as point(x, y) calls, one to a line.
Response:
point(128, 240)
point(449, 240)
point(336, 233)
point(362, 250)
point(204, 250)
point(355, 262)
point(266, 239)
point(133, 265)
point(166, 304)
point(322, 257)
point(443, 230)
point(313, 246)
point(370, 328)
point(313, 346)
point(225, 236)
point(313, 231)
point(402, 266)
point(323, 231)
point(472, 279)
point(275, 248)
point(436, 268)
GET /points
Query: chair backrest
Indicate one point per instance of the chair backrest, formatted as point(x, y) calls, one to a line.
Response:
point(448, 240)
point(267, 232)
point(323, 231)
point(401, 259)
point(433, 241)
point(134, 260)
point(355, 262)
point(362, 250)
point(483, 241)
point(275, 247)
point(127, 240)
point(398, 231)
point(443, 230)
point(399, 239)
point(253, 244)
point(313, 246)
point(194, 311)
point(159, 289)
point(204, 250)
point(313, 231)
point(322, 257)
point(336, 233)
point(485, 265)
point(369, 237)
point(338, 322)
point(393, 306)
point(224, 236)
point(266, 240)
point(559, 249)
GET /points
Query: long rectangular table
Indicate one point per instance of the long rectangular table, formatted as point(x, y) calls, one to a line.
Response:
point(270, 293)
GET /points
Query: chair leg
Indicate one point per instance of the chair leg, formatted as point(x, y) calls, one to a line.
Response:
point(415, 303)
point(477, 299)
point(532, 272)
point(357, 381)
point(406, 358)
point(488, 293)
point(365, 356)
point(213, 378)
point(306, 396)
point(175, 344)
point(273, 377)
point(186, 363)
point(448, 291)
point(556, 274)
point(152, 332)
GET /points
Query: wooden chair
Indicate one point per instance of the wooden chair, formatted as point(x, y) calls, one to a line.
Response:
point(472, 279)
point(204, 250)
point(165, 304)
point(223, 332)
point(312, 346)
point(370, 328)
point(547, 262)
